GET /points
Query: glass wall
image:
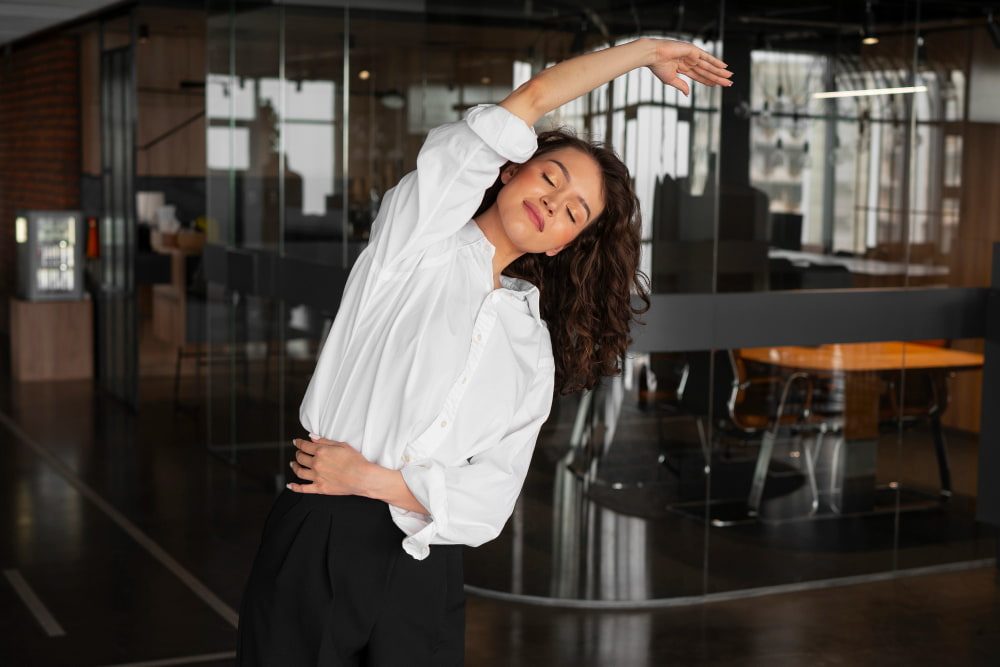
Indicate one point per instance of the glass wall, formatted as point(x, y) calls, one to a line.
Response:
point(793, 453)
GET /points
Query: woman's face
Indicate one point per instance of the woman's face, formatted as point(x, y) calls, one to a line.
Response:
point(548, 201)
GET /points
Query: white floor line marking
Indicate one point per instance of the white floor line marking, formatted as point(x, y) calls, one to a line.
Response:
point(186, 660)
point(34, 604)
point(146, 542)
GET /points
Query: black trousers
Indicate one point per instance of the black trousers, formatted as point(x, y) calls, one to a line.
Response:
point(332, 586)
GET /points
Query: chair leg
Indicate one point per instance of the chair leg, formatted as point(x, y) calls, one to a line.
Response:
point(941, 449)
point(760, 471)
point(834, 471)
point(811, 470)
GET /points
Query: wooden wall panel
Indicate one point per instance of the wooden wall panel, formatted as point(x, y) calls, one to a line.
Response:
point(162, 64)
point(978, 230)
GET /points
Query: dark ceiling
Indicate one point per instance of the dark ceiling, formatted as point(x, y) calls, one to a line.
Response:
point(778, 22)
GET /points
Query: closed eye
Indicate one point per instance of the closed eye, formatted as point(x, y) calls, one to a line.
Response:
point(548, 180)
point(571, 215)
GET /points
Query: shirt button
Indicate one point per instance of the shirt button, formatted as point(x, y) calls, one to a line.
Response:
point(478, 337)
point(444, 422)
point(406, 458)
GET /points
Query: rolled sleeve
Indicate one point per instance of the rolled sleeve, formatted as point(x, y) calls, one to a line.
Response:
point(502, 131)
point(457, 163)
point(470, 504)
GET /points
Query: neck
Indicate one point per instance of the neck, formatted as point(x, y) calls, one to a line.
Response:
point(492, 227)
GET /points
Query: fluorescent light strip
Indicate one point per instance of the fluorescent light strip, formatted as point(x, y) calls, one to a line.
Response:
point(871, 91)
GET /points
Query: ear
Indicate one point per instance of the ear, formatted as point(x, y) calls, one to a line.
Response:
point(508, 172)
point(555, 251)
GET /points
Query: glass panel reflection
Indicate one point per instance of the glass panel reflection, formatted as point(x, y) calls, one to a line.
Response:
point(695, 471)
point(935, 430)
point(861, 188)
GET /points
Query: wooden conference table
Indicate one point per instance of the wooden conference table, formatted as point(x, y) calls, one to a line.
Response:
point(863, 366)
point(854, 357)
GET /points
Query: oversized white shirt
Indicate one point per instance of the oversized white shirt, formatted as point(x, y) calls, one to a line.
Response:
point(427, 368)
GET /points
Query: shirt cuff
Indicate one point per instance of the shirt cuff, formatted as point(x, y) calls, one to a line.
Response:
point(426, 482)
point(505, 132)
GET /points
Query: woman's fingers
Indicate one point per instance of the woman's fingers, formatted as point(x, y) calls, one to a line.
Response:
point(305, 446)
point(302, 472)
point(324, 441)
point(713, 77)
point(706, 56)
point(705, 74)
point(711, 69)
point(301, 488)
point(680, 84)
point(688, 50)
point(305, 460)
point(697, 76)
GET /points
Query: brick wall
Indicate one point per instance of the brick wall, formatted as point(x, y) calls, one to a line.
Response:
point(39, 139)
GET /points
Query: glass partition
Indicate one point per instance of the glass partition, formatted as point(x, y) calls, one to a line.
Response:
point(758, 463)
point(244, 198)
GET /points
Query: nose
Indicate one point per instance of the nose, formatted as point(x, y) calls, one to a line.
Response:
point(547, 203)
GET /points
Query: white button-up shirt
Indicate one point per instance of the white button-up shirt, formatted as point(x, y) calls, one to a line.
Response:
point(427, 368)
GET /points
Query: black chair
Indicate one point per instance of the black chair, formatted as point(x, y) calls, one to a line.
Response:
point(749, 406)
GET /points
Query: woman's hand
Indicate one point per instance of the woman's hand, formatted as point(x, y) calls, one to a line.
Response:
point(337, 469)
point(334, 468)
point(673, 58)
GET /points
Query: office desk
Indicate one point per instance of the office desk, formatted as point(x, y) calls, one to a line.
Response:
point(863, 366)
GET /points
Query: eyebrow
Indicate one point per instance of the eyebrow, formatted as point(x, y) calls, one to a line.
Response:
point(565, 172)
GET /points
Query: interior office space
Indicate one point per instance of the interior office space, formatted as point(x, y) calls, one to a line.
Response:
point(808, 406)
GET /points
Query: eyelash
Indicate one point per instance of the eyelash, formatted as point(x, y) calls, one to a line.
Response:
point(549, 181)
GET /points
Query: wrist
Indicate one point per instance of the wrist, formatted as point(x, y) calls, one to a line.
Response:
point(372, 480)
point(653, 50)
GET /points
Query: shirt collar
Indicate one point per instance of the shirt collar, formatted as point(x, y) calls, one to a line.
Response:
point(526, 291)
point(519, 287)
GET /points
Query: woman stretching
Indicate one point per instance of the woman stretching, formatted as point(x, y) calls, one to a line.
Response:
point(499, 272)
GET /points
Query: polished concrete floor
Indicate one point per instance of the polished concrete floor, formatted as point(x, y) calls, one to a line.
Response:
point(126, 542)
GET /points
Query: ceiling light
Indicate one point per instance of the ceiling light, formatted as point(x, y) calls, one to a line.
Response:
point(364, 75)
point(868, 35)
point(870, 91)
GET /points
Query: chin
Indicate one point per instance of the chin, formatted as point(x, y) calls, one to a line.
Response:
point(520, 232)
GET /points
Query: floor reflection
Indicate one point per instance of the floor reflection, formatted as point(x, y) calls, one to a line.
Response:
point(597, 553)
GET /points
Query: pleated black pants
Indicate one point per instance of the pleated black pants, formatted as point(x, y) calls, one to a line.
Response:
point(332, 586)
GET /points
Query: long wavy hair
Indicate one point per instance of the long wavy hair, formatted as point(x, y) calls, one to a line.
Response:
point(586, 288)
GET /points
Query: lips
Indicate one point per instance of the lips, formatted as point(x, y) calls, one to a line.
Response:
point(535, 216)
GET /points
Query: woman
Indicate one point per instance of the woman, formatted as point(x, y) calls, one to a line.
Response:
point(499, 271)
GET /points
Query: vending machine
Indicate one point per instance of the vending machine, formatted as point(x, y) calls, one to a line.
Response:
point(49, 255)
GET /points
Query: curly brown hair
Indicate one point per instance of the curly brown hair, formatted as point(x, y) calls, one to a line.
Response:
point(586, 289)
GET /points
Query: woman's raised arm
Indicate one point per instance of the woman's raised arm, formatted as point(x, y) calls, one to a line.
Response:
point(565, 81)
